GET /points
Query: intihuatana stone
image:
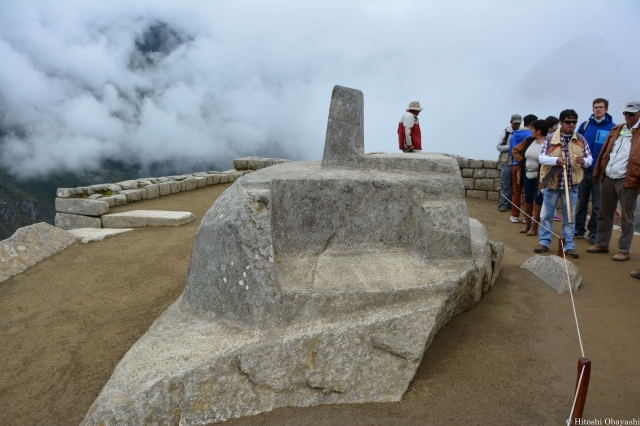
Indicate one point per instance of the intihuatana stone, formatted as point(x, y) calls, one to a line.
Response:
point(344, 142)
point(551, 270)
point(309, 285)
point(29, 245)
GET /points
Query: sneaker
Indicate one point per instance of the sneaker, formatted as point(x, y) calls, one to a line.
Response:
point(513, 219)
point(572, 253)
point(578, 236)
point(592, 240)
point(540, 248)
point(556, 217)
point(503, 209)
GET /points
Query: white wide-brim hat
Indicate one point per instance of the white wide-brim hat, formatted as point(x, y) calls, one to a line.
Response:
point(415, 106)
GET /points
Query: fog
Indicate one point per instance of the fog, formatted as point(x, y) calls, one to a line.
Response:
point(208, 81)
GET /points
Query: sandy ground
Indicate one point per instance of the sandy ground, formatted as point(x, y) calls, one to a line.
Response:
point(66, 322)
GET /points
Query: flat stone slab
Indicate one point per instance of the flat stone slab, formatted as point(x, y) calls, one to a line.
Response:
point(29, 245)
point(81, 206)
point(137, 218)
point(551, 270)
point(96, 234)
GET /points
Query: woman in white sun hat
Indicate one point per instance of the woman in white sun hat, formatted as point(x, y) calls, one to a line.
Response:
point(409, 137)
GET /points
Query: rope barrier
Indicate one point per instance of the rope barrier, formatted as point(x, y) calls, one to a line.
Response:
point(575, 315)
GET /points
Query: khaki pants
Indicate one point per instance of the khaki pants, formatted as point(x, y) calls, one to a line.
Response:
point(612, 191)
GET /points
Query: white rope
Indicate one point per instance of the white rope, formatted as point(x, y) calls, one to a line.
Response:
point(575, 397)
point(566, 268)
point(531, 217)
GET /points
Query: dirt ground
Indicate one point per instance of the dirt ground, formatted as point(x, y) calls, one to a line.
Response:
point(66, 322)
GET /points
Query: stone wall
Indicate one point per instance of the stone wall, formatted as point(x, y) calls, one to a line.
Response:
point(481, 178)
point(83, 207)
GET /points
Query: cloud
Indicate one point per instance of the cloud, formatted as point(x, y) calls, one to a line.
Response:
point(195, 82)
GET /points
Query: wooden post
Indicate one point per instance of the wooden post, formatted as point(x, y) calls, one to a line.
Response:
point(560, 247)
point(566, 193)
point(582, 390)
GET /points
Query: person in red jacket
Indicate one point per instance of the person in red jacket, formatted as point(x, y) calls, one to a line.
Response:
point(409, 137)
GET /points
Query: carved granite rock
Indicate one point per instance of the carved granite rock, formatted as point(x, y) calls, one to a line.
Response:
point(310, 283)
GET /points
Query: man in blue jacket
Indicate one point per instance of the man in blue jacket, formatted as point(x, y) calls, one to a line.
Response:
point(517, 137)
point(595, 131)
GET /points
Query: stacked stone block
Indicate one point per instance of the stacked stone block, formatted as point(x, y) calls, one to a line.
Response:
point(83, 207)
point(481, 178)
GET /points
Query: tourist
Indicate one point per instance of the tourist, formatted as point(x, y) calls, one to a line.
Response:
point(562, 148)
point(526, 154)
point(595, 131)
point(553, 126)
point(620, 180)
point(409, 129)
point(553, 123)
point(517, 137)
point(505, 160)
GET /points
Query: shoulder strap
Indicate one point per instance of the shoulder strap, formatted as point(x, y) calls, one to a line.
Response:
point(506, 136)
point(584, 127)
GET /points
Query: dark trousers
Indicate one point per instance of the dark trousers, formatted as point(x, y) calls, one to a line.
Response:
point(612, 191)
point(506, 186)
point(531, 195)
point(516, 199)
point(588, 189)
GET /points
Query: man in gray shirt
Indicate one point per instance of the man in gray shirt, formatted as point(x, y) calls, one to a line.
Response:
point(506, 162)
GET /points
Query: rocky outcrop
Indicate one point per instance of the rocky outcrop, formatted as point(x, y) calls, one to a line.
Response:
point(310, 283)
point(29, 245)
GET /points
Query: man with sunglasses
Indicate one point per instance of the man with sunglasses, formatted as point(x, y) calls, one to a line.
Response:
point(618, 171)
point(567, 148)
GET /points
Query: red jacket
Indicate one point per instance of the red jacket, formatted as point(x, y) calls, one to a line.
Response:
point(409, 132)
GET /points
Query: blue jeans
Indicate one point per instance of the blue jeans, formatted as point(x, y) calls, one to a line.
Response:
point(585, 189)
point(551, 197)
point(506, 186)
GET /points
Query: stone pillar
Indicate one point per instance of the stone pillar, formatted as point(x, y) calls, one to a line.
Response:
point(344, 143)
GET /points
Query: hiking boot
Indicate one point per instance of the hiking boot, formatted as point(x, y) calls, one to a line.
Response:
point(503, 209)
point(572, 253)
point(540, 248)
point(621, 257)
point(597, 249)
point(635, 274)
point(528, 210)
point(534, 223)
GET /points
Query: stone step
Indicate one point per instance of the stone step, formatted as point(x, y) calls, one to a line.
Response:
point(96, 234)
point(136, 218)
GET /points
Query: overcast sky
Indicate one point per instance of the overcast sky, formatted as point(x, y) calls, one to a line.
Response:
point(150, 81)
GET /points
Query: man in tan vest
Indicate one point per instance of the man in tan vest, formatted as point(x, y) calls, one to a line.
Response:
point(567, 148)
